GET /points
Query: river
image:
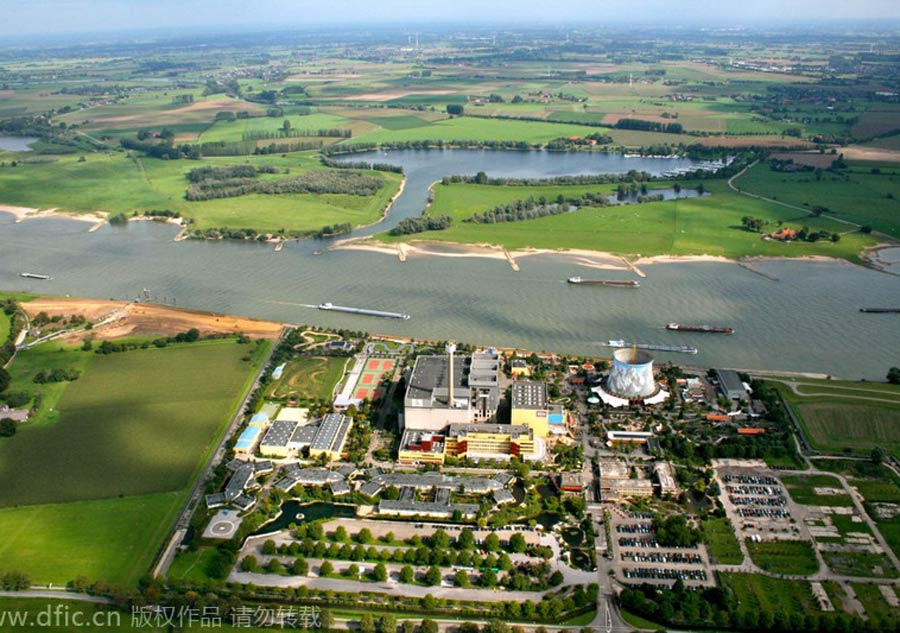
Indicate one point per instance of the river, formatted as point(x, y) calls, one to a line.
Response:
point(16, 143)
point(808, 320)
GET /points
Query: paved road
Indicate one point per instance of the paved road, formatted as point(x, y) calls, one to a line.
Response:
point(55, 594)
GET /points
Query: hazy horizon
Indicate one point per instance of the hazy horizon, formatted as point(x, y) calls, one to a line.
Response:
point(47, 17)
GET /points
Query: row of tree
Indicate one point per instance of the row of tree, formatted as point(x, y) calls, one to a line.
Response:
point(313, 181)
point(422, 223)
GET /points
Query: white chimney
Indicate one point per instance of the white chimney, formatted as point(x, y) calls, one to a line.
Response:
point(451, 347)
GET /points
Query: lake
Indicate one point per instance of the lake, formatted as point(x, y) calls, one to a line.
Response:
point(16, 143)
point(807, 320)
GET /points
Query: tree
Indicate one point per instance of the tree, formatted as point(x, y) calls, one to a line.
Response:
point(364, 536)
point(7, 427)
point(429, 626)
point(300, 567)
point(340, 534)
point(440, 540)
point(466, 539)
point(249, 564)
point(407, 576)
point(4, 379)
point(461, 578)
point(893, 376)
point(433, 576)
point(878, 455)
point(367, 623)
point(492, 542)
point(455, 109)
point(286, 126)
point(275, 566)
point(269, 548)
point(517, 543)
point(387, 623)
point(326, 619)
point(489, 578)
point(326, 569)
point(380, 572)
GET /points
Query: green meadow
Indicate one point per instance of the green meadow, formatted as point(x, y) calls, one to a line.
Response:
point(117, 456)
point(477, 129)
point(856, 194)
point(709, 225)
point(784, 557)
point(116, 183)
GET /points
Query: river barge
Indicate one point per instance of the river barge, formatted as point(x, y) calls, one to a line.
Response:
point(881, 310)
point(681, 349)
point(35, 276)
point(713, 329)
point(363, 311)
point(579, 281)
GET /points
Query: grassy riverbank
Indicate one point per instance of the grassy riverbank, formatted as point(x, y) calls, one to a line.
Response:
point(710, 225)
point(117, 183)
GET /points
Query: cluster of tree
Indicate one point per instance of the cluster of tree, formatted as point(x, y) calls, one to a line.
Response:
point(455, 109)
point(360, 164)
point(893, 375)
point(524, 210)
point(330, 230)
point(231, 87)
point(753, 224)
point(189, 336)
point(201, 174)
point(674, 531)
point(650, 126)
point(56, 375)
point(289, 132)
point(805, 235)
point(565, 143)
point(160, 213)
point(163, 148)
point(183, 99)
point(537, 119)
point(313, 181)
point(15, 581)
point(482, 178)
point(422, 223)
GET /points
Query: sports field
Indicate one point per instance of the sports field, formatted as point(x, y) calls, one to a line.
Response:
point(846, 415)
point(131, 434)
point(367, 384)
point(709, 225)
point(309, 378)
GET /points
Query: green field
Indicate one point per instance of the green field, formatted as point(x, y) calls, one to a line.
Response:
point(802, 490)
point(94, 489)
point(877, 608)
point(839, 415)
point(761, 594)
point(708, 225)
point(115, 183)
point(718, 534)
point(860, 564)
point(309, 378)
point(784, 557)
point(107, 539)
point(857, 195)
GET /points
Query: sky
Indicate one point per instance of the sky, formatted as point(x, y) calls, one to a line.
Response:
point(22, 17)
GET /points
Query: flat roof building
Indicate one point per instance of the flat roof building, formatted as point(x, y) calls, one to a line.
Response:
point(435, 399)
point(331, 436)
point(247, 441)
point(665, 474)
point(275, 443)
point(620, 489)
point(530, 406)
point(731, 385)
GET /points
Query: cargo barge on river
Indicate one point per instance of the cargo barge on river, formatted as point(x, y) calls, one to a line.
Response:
point(603, 282)
point(681, 349)
point(713, 329)
point(363, 311)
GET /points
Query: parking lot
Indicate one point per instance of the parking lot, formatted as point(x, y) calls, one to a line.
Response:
point(640, 558)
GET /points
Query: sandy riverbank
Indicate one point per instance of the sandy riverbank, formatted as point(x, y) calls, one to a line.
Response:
point(122, 318)
point(26, 213)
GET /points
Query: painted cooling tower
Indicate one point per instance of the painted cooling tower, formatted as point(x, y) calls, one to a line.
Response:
point(631, 375)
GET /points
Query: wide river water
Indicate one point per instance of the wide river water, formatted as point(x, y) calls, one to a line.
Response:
point(807, 320)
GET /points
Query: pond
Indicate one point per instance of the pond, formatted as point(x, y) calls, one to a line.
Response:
point(16, 143)
point(295, 512)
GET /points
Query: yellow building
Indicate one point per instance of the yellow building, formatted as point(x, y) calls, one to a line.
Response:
point(531, 408)
point(519, 368)
point(331, 437)
point(490, 441)
point(421, 447)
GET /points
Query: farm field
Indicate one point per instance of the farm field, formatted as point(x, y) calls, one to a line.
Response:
point(93, 451)
point(708, 225)
point(117, 183)
point(758, 595)
point(877, 608)
point(309, 378)
point(94, 490)
point(784, 557)
point(860, 564)
point(856, 194)
point(858, 416)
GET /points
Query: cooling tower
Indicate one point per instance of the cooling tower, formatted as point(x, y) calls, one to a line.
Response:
point(631, 375)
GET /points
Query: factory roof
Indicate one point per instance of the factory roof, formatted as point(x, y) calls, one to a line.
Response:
point(429, 380)
point(279, 434)
point(529, 394)
point(304, 435)
point(730, 382)
point(332, 433)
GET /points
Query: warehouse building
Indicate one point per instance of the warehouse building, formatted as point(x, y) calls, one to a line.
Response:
point(731, 385)
point(286, 438)
point(531, 407)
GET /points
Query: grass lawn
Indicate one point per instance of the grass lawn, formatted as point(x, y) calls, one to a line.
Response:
point(877, 608)
point(802, 490)
point(110, 539)
point(708, 225)
point(760, 594)
point(135, 423)
point(192, 566)
point(4, 326)
point(115, 183)
point(860, 564)
point(309, 378)
point(718, 534)
point(846, 415)
point(855, 195)
point(784, 557)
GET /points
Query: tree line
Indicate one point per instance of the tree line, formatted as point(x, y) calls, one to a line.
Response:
point(421, 224)
point(360, 164)
point(649, 126)
point(258, 135)
point(314, 181)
